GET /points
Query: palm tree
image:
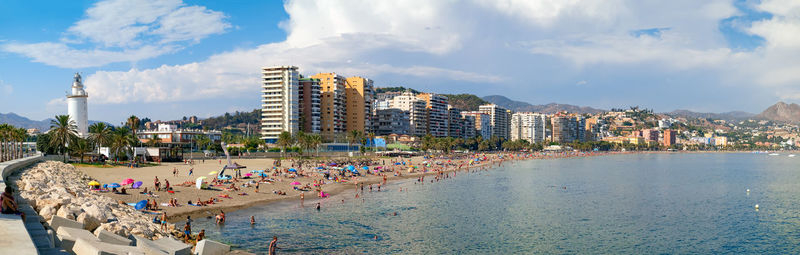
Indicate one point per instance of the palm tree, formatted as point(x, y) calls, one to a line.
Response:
point(100, 134)
point(63, 131)
point(19, 135)
point(153, 141)
point(5, 136)
point(79, 147)
point(302, 140)
point(354, 136)
point(314, 141)
point(122, 141)
point(285, 140)
point(133, 124)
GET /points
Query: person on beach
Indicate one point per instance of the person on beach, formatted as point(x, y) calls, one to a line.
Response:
point(189, 220)
point(201, 235)
point(318, 206)
point(187, 232)
point(273, 245)
point(191, 170)
point(164, 221)
point(252, 220)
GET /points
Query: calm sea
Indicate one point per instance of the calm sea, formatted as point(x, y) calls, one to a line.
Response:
point(621, 204)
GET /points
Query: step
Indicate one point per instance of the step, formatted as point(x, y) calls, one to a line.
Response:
point(53, 251)
point(41, 239)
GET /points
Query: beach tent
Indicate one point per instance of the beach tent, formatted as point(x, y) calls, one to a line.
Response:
point(200, 184)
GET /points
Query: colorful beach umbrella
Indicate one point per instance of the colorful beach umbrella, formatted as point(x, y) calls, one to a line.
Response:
point(201, 177)
point(248, 174)
point(292, 170)
point(140, 205)
point(94, 183)
point(295, 183)
point(114, 185)
point(127, 181)
point(213, 172)
point(365, 168)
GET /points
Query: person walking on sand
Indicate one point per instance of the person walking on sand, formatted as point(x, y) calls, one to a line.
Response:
point(191, 170)
point(273, 245)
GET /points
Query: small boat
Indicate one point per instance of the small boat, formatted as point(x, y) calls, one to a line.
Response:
point(774, 154)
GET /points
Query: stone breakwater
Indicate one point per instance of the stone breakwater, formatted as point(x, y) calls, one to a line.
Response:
point(55, 188)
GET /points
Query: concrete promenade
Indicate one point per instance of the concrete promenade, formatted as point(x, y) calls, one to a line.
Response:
point(15, 237)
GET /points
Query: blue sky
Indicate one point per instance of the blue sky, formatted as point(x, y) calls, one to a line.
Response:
point(172, 58)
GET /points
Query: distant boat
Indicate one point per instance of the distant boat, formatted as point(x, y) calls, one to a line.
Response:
point(774, 154)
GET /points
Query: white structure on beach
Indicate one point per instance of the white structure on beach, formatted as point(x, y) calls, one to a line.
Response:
point(279, 101)
point(76, 107)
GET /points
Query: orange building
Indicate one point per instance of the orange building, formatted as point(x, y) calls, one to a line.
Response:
point(669, 137)
point(332, 104)
point(359, 98)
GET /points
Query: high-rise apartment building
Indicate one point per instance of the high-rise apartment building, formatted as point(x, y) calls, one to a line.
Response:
point(455, 123)
point(332, 107)
point(669, 137)
point(563, 129)
point(528, 126)
point(499, 118)
point(650, 135)
point(416, 111)
point(359, 102)
point(469, 126)
point(483, 123)
point(279, 101)
point(436, 114)
point(309, 102)
point(391, 121)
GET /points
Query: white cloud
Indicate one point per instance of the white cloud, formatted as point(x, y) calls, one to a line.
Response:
point(125, 31)
point(506, 43)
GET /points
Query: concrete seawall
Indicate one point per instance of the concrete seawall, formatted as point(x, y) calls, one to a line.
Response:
point(14, 237)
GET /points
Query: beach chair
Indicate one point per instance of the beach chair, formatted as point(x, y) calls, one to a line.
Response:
point(136, 185)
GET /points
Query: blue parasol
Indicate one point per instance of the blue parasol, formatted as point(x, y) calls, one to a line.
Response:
point(140, 205)
point(114, 185)
point(292, 170)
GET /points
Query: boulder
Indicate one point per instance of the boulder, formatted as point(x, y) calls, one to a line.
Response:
point(96, 211)
point(112, 238)
point(209, 247)
point(58, 222)
point(165, 245)
point(89, 222)
point(47, 212)
point(89, 247)
point(68, 236)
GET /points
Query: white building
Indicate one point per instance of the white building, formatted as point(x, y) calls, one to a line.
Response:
point(528, 126)
point(279, 101)
point(499, 116)
point(77, 108)
point(416, 111)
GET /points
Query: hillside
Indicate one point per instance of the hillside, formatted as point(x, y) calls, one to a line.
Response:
point(23, 122)
point(727, 116)
point(234, 119)
point(519, 106)
point(465, 102)
point(394, 89)
point(781, 112)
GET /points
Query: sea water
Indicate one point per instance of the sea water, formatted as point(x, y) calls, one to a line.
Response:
point(675, 203)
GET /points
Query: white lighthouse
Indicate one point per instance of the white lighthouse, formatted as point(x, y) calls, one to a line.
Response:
point(77, 108)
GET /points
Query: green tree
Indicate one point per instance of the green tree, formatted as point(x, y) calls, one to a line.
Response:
point(133, 123)
point(100, 134)
point(80, 147)
point(314, 141)
point(353, 137)
point(285, 140)
point(63, 131)
point(122, 141)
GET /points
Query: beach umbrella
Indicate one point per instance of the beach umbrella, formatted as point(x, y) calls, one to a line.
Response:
point(320, 168)
point(201, 177)
point(397, 163)
point(114, 185)
point(262, 175)
point(351, 168)
point(140, 205)
point(257, 171)
point(248, 174)
point(213, 172)
point(292, 170)
point(365, 168)
point(127, 181)
point(295, 183)
point(94, 183)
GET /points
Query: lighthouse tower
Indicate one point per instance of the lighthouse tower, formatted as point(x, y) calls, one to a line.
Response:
point(77, 109)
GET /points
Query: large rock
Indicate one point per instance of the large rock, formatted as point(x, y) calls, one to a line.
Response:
point(166, 246)
point(89, 247)
point(47, 212)
point(209, 247)
point(95, 211)
point(112, 238)
point(89, 222)
point(58, 222)
point(68, 236)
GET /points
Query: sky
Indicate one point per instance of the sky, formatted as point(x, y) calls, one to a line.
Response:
point(167, 59)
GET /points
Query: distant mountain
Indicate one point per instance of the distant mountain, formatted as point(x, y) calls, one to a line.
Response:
point(518, 106)
point(23, 122)
point(465, 102)
point(728, 116)
point(781, 112)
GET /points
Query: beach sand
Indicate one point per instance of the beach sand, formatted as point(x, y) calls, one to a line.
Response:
point(185, 194)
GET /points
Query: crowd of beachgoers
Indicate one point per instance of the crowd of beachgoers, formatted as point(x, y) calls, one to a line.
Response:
point(143, 201)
